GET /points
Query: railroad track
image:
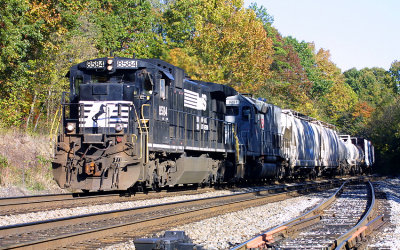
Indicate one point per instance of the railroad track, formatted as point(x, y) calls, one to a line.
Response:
point(341, 222)
point(36, 203)
point(25, 204)
point(100, 229)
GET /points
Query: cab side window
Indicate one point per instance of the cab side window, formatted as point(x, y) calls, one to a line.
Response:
point(162, 89)
point(246, 113)
point(78, 80)
point(148, 84)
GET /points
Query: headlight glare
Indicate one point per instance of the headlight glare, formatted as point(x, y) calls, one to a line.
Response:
point(70, 126)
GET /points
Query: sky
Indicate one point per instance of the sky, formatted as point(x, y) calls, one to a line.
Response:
point(358, 33)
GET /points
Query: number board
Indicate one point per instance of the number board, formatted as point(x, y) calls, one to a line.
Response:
point(232, 102)
point(95, 64)
point(127, 64)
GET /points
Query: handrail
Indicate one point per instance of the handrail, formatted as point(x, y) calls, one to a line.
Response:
point(140, 130)
point(59, 120)
point(143, 126)
point(144, 121)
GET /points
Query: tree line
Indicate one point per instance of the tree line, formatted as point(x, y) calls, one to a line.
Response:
point(218, 41)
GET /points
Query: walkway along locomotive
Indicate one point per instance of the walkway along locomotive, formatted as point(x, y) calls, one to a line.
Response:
point(130, 123)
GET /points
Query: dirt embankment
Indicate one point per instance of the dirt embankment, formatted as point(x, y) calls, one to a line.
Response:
point(25, 163)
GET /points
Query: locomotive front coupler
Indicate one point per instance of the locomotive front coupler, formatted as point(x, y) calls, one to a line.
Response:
point(91, 146)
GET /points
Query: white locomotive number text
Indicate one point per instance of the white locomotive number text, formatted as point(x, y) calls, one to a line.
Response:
point(162, 111)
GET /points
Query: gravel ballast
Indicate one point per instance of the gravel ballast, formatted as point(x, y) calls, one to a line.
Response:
point(224, 231)
point(227, 230)
point(389, 238)
point(59, 213)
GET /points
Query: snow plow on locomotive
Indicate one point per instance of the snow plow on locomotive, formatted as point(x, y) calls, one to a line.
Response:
point(130, 123)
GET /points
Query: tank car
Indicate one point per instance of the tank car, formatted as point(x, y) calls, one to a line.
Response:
point(141, 123)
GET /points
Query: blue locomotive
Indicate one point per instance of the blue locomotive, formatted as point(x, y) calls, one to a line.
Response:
point(141, 123)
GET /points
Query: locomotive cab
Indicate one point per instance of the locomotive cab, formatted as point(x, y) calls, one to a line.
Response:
point(258, 138)
point(106, 123)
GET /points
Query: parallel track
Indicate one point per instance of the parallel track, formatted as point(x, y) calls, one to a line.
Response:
point(340, 222)
point(35, 203)
point(137, 222)
point(25, 204)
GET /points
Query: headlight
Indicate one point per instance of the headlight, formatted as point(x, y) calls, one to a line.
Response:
point(109, 64)
point(70, 126)
point(118, 127)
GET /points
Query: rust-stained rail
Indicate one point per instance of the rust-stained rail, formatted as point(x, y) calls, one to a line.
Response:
point(9, 201)
point(364, 227)
point(347, 241)
point(289, 227)
point(148, 216)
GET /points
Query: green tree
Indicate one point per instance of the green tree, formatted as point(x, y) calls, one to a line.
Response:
point(127, 26)
point(40, 40)
point(384, 131)
point(228, 42)
point(395, 73)
point(373, 85)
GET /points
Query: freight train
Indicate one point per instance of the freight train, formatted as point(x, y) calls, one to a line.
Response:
point(131, 123)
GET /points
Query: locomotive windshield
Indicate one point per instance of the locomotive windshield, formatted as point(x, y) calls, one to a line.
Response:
point(232, 110)
point(117, 77)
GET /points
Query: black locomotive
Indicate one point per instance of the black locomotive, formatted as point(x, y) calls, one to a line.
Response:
point(131, 123)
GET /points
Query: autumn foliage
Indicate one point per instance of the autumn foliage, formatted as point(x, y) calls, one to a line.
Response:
point(218, 41)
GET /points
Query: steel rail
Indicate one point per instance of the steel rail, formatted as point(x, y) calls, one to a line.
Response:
point(364, 227)
point(27, 202)
point(351, 239)
point(292, 225)
point(12, 205)
point(18, 202)
point(254, 198)
point(8, 201)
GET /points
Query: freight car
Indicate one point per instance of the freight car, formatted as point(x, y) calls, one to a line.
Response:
point(141, 123)
point(360, 154)
point(283, 143)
